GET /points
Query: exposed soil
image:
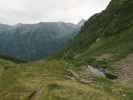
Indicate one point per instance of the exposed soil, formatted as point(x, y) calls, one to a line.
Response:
point(126, 68)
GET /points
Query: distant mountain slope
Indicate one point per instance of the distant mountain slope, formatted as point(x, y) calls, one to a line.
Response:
point(106, 36)
point(70, 79)
point(82, 22)
point(34, 41)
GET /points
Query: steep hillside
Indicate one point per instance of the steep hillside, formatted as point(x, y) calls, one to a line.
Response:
point(35, 41)
point(103, 47)
point(106, 36)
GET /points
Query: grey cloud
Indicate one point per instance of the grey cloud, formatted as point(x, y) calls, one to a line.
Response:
point(30, 11)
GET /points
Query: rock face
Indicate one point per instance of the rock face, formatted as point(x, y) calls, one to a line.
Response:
point(103, 74)
point(35, 41)
point(82, 22)
point(95, 72)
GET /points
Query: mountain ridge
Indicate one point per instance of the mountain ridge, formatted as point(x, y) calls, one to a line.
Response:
point(34, 41)
point(103, 47)
point(106, 36)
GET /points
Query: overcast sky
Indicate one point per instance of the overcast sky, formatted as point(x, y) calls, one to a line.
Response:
point(32, 11)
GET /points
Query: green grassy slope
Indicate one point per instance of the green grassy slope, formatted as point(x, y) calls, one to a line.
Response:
point(115, 20)
point(45, 80)
point(105, 41)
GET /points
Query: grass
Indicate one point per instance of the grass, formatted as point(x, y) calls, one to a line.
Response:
point(103, 34)
point(19, 81)
point(119, 45)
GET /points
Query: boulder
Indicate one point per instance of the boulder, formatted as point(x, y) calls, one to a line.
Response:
point(95, 72)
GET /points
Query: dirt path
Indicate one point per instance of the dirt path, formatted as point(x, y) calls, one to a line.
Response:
point(126, 68)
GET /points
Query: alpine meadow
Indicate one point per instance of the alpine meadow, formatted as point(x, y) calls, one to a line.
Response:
point(89, 60)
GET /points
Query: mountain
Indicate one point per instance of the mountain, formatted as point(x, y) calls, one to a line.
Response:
point(106, 40)
point(34, 41)
point(102, 48)
point(81, 23)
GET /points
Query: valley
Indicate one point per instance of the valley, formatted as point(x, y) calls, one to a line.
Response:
point(94, 61)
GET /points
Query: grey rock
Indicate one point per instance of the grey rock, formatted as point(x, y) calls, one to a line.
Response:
point(95, 72)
